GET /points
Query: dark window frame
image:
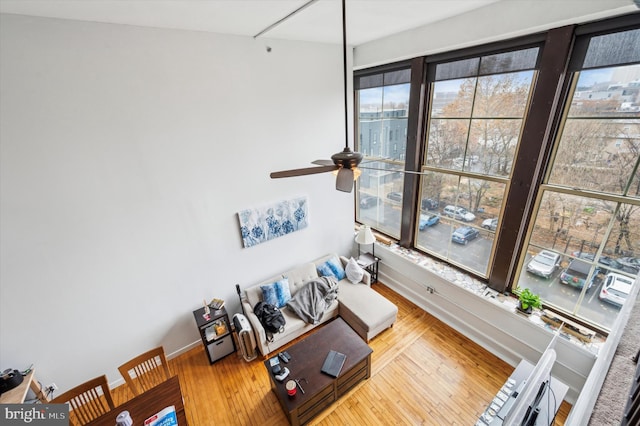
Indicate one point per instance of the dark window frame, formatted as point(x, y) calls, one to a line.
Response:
point(560, 48)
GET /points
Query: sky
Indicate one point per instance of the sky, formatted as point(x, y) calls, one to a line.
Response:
point(400, 93)
point(591, 77)
point(396, 94)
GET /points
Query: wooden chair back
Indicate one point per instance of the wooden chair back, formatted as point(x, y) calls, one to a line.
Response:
point(87, 401)
point(146, 370)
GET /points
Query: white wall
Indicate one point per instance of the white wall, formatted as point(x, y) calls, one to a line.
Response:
point(497, 21)
point(126, 153)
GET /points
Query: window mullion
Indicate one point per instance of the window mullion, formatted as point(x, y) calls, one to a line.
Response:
point(413, 160)
point(537, 138)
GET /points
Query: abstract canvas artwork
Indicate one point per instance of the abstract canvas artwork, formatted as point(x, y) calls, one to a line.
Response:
point(266, 223)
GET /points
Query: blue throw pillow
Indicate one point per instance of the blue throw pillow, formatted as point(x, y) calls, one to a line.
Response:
point(336, 267)
point(325, 270)
point(269, 294)
point(332, 268)
point(277, 293)
point(283, 292)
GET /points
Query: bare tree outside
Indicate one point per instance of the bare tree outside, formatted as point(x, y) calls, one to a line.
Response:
point(476, 130)
point(473, 134)
point(589, 210)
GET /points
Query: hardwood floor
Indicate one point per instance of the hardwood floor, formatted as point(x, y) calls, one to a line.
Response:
point(424, 372)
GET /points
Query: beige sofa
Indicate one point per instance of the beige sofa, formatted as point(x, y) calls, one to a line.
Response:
point(364, 309)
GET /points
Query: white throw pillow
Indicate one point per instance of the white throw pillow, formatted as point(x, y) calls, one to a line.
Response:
point(354, 271)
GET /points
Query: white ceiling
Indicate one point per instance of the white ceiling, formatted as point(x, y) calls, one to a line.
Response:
point(367, 20)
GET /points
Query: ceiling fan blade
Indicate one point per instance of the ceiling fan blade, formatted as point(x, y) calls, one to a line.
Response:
point(323, 162)
point(302, 172)
point(344, 181)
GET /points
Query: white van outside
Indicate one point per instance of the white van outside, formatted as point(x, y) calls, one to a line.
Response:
point(459, 213)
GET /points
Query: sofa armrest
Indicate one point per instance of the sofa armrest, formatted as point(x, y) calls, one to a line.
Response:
point(256, 325)
point(366, 277)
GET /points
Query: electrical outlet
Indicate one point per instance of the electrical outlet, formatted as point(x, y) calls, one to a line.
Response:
point(52, 387)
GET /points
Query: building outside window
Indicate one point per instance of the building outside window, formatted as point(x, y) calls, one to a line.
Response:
point(383, 105)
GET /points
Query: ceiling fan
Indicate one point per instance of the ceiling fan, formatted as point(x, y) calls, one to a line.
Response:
point(346, 161)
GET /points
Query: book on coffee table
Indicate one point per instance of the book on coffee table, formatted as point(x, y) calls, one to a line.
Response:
point(333, 363)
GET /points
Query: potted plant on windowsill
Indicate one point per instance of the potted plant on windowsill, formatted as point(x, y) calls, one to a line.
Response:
point(528, 300)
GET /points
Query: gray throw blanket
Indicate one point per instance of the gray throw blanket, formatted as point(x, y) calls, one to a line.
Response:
point(314, 298)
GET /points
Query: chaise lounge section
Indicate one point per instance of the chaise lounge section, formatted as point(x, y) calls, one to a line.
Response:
point(364, 309)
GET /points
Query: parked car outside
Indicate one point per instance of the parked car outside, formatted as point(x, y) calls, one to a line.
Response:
point(490, 224)
point(368, 201)
point(464, 234)
point(544, 264)
point(459, 213)
point(427, 220)
point(611, 263)
point(576, 274)
point(604, 260)
point(630, 264)
point(616, 289)
point(395, 196)
point(429, 204)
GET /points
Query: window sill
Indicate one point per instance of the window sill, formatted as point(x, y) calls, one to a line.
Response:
point(475, 286)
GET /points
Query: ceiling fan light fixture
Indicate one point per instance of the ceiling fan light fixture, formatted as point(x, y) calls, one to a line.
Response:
point(345, 180)
point(347, 158)
point(356, 173)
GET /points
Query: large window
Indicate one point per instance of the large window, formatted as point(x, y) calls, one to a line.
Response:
point(383, 109)
point(503, 164)
point(588, 211)
point(477, 110)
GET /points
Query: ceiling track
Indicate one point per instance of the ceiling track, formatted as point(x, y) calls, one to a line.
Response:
point(275, 24)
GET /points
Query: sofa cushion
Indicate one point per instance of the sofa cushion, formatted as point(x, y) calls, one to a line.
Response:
point(299, 276)
point(296, 327)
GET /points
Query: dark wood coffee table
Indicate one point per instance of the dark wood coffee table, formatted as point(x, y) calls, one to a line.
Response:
point(307, 357)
